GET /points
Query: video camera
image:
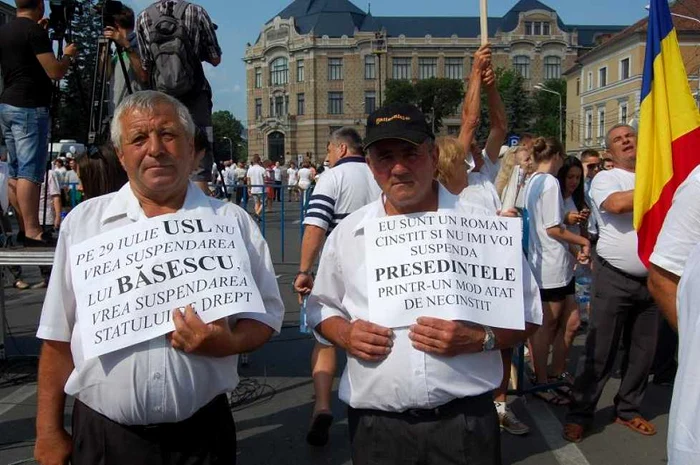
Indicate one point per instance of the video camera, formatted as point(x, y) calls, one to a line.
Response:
point(62, 13)
point(108, 9)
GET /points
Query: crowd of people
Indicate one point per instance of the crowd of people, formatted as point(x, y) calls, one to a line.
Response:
point(433, 392)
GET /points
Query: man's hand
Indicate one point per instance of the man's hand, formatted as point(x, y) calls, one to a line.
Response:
point(117, 35)
point(71, 50)
point(584, 256)
point(44, 23)
point(193, 336)
point(488, 77)
point(303, 284)
point(53, 448)
point(446, 338)
point(482, 59)
point(367, 341)
point(573, 218)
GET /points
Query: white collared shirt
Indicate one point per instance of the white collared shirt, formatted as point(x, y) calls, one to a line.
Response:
point(407, 378)
point(149, 382)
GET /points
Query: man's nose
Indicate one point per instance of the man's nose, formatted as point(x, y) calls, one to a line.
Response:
point(155, 145)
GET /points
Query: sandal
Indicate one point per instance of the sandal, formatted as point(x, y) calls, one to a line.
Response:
point(551, 396)
point(573, 432)
point(638, 424)
point(565, 381)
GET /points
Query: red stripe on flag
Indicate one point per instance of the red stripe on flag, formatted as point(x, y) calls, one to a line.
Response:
point(686, 157)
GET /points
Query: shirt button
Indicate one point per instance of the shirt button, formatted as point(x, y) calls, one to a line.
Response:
point(157, 409)
point(156, 375)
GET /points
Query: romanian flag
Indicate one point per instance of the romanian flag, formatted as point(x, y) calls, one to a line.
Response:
point(668, 147)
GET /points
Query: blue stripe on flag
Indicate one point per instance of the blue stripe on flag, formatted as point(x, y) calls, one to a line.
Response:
point(660, 25)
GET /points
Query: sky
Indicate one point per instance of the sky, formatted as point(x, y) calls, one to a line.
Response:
point(240, 21)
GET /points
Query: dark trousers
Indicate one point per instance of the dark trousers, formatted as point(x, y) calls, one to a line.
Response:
point(239, 193)
point(278, 191)
point(463, 432)
point(621, 309)
point(206, 438)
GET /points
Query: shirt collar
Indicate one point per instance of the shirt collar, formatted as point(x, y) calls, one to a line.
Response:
point(351, 159)
point(125, 203)
point(446, 201)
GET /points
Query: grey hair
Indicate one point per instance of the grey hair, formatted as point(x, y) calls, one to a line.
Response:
point(348, 136)
point(148, 100)
point(617, 126)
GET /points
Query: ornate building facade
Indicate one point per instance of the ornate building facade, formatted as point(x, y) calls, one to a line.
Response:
point(322, 64)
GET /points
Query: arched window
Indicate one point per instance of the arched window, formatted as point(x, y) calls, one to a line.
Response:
point(279, 71)
point(521, 64)
point(552, 67)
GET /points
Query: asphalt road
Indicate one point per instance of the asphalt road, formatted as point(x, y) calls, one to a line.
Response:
point(272, 427)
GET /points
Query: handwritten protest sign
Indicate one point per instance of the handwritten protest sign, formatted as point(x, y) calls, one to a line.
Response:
point(128, 281)
point(447, 266)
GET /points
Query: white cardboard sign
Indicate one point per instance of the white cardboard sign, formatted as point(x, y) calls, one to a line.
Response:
point(445, 265)
point(128, 281)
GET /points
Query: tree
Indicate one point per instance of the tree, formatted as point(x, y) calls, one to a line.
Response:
point(226, 125)
point(511, 87)
point(436, 97)
point(546, 106)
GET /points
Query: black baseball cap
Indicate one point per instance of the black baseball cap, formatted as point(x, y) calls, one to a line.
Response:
point(400, 121)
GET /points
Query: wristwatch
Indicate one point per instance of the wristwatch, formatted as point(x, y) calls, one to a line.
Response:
point(489, 339)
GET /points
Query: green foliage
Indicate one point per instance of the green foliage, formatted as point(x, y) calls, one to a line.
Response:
point(226, 125)
point(511, 87)
point(436, 97)
point(546, 106)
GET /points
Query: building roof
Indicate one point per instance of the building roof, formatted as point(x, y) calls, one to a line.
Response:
point(336, 18)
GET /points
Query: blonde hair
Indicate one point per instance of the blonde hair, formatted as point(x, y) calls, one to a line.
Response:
point(508, 164)
point(451, 159)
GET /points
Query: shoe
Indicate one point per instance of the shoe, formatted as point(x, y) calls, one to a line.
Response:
point(39, 285)
point(318, 433)
point(21, 285)
point(573, 432)
point(510, 423)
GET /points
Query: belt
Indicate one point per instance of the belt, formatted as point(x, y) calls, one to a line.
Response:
point(457, 406)
point(606, 264)
point(201, 416)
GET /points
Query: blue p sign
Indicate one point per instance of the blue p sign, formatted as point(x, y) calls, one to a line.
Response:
point(513, 141)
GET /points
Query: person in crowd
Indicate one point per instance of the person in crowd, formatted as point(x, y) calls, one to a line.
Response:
point(553, 265)
point(100, 172)
point(28, 66)
point(570, 178)
point(269, 184)
point(608, 164)
point(204, 45)
point(256, 180)
point(50, 208)
point(123, 35)
point(516, 168)
point(60, 170)
point(188, 371)
point(410, 385)
point(346, 187)
point(292, 181)
point(277, 176)
point(306, 175)
point(240, 174)
point(623, 309)
point(673, 279)
point(592, 164)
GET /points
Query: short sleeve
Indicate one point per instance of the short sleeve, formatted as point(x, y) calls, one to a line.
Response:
point(39, 40)
point(551, 204)
point(531, 295)
point(603, 186)
point(326, 299)
point(322, 204)
point(209, 48)
point(681, 229)
point(142, 39)
point(58, 313)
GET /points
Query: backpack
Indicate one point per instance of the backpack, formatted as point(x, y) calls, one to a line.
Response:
point(176, 68)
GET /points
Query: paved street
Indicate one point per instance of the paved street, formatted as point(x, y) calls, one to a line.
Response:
point(277, 387)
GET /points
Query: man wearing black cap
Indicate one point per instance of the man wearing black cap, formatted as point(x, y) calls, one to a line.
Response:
point(418, 394)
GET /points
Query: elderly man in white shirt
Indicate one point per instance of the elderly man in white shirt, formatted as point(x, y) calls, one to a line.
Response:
point(162, 400)
point(418, 394)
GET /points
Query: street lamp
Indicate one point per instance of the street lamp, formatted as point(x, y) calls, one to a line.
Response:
point(542, 88)
point(230, 145)
point(679, 15)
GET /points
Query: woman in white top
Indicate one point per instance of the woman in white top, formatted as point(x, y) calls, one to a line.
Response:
point(305, 177)
point(292, 180)
point(570, 178)
point(551, 261)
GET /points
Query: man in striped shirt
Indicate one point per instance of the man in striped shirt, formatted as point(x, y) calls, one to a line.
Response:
point(346, 187)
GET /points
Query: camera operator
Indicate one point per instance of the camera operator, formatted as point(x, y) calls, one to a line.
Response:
point(181, 74)
point(28, 65)
point(121, 32)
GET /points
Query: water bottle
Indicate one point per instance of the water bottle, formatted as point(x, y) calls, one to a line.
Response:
point(583, 279)
point(303, 325)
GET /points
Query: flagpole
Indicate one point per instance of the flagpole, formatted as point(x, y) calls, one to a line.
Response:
point(484, 22)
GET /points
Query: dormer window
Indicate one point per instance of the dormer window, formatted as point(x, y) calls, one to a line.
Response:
point(537, 28)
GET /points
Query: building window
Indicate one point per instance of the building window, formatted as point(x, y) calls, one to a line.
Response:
point(370, 67)
point(578, 86)
point(623, 113)
point(452, 130)
point(335, 103)
point(300, 71)
point(603, 77)
point(335, 69)
point(300, 104)
point(370, 101)
point(401, 68)
point(521, 63)
point(258, 108)
point(552, 67)
point(258, 78)
point(454, 68)
point(528, 28)
point(601, 122)
point(537, 29)
point(589, 124)
point(427, 68)
point(279, 106)
point(3, 18)
point(625, 69)
point(589, 85)
point(279, 72)
point(545, 29)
